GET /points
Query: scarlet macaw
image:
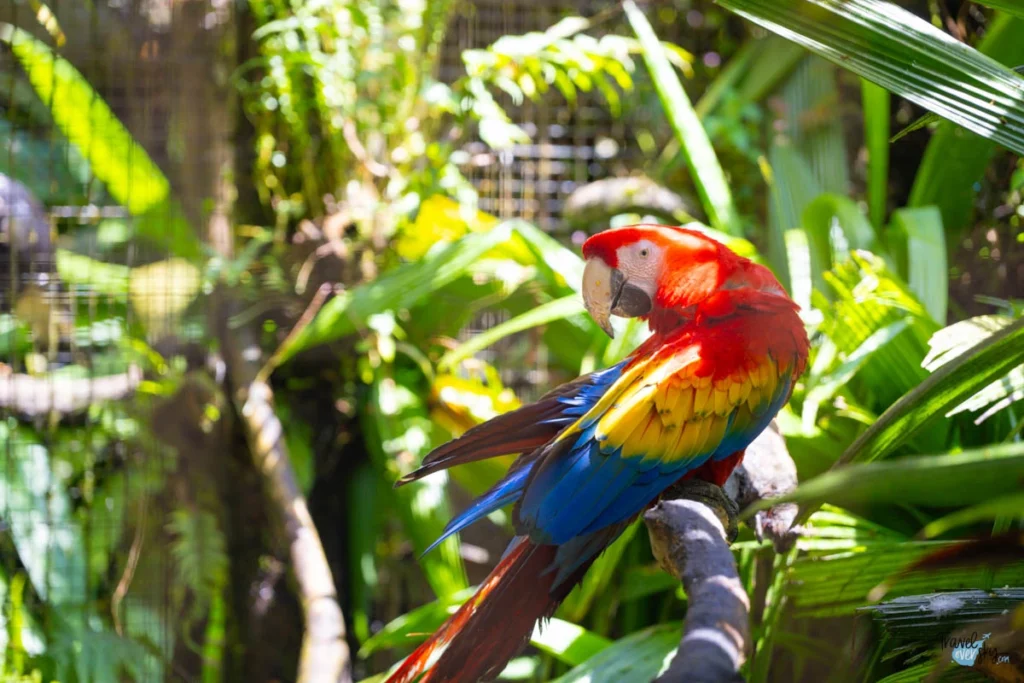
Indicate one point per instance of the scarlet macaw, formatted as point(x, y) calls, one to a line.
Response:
point(725, 349)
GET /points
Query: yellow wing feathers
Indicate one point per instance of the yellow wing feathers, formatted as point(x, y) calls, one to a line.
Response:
point(667, 413)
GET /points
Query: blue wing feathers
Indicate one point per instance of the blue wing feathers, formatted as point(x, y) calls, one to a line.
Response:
point(509, 489)
point(578, 498)
point(501, 494)
point(563, 501)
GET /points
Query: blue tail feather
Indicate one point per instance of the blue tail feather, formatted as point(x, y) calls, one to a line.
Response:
point(504, 492)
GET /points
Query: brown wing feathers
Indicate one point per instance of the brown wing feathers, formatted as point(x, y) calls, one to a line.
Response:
point(519, 431)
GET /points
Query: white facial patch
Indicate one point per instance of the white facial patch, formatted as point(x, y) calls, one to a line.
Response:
point(640, 263)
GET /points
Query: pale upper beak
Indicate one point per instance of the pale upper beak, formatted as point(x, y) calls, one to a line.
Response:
point(606, 292)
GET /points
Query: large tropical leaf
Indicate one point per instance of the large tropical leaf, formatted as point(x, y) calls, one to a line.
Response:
point(639, 656)
point(868, 297)
point(541, 315)
point(116, 159)
point(841, 583)
point(922, 243)
point(706, 171)
point(927, 618)
point(935, 481)
point(791, 186)
point(845, 557)
point(951, 342)
point(876, 104)
point(400, 288)
point(904, 54)
point(48, 538)
point(956, 159)
point(835, 226)
point(1008, 506)
point(944, 389)
point(568, 642)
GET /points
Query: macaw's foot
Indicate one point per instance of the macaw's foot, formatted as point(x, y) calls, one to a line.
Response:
point(710, 495)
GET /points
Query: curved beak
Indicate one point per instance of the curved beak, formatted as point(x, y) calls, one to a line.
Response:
point(606, 292)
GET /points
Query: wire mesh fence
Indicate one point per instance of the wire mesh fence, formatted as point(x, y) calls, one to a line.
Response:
point(102, 562)
point(141, 137)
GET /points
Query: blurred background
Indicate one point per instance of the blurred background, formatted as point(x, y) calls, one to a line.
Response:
point(376, 209)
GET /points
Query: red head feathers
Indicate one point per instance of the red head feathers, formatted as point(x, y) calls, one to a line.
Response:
point(668, 274)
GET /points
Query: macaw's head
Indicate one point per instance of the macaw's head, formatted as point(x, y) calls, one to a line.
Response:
point(665, 274)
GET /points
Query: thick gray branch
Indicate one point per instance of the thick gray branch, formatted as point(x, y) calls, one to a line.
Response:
point(325, 656)
point(689, 540)
point(691, 528)
point(767, 471)
point(598, 201)
point(33, 396)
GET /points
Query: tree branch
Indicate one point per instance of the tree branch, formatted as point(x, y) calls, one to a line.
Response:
point(33, 396)
point(598, 201)
point(688, 536)
point(325, 656)
point(690, 530)
point(767, 471)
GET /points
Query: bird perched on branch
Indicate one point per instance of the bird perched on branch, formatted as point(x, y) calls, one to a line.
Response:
point(726, 348)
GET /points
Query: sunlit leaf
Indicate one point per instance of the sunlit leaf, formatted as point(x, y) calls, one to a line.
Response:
point(944, 389)
point(567, 642)
point(1009, 505)
point(835, 226)
point(413, 627)
point(840, 583)
point(639, 656)
point(935, 481)
point(114, 157)
point(867, 297)
point(904, 54)
point(103, 278)
point(401, 287)
point(440, 219)
point(398, 434)
point(46, 534)
point(951, 342)
point(700, 156)
point(458, 403)
point(791, 187)
point(825, 388)
point(160, 291)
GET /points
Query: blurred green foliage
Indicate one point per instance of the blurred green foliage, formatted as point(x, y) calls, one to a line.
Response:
point(906, 422)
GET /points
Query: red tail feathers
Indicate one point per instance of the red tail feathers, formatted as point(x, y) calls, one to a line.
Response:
point(496, 623)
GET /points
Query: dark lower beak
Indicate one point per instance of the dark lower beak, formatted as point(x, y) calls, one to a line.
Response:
point(628, 301)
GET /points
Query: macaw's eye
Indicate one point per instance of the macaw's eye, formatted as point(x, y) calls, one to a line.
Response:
point(644, 252)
